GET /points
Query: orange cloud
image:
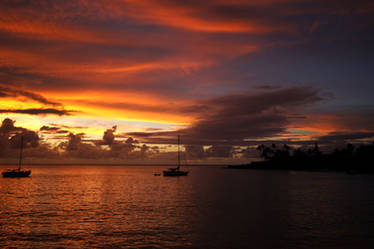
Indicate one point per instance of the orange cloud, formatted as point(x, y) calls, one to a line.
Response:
point(323, 124)
point(192, 18)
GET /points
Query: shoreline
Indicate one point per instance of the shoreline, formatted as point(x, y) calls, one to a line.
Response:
point(280, 166)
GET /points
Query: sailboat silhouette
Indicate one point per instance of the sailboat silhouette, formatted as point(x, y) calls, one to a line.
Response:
point(176, 171)
point(17, 172)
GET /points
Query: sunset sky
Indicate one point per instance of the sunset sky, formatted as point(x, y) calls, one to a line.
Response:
point(121, 78)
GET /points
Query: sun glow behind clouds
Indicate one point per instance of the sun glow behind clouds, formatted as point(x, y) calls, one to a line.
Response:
point(93, 127)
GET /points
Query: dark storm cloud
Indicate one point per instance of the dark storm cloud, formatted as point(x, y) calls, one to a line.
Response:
point(35, 111)
point(231, 102)
point(234, 118)
point(241, 116)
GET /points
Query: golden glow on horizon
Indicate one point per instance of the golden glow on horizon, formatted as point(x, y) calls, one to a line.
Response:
point(9, 104)
point(134, 107)
point(93, 110)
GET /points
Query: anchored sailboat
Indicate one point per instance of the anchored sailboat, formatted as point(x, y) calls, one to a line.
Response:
point(17, 172)
point(176, 171)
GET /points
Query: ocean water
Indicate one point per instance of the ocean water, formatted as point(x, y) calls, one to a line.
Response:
point(129, 207)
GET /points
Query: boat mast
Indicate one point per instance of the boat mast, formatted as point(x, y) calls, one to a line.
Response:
point(179, 157)
point(20, 154)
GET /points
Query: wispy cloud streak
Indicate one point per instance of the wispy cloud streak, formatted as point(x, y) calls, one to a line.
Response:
point(34, 111)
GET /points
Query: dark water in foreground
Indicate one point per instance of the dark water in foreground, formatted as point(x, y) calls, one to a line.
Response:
point(129, 207)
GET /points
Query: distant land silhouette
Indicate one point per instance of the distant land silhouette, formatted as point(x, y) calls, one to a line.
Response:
point(351, 159)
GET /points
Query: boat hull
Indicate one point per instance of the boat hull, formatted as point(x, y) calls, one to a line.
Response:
point(175, 173)
point(16, 173)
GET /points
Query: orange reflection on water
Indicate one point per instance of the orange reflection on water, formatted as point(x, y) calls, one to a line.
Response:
point(89, 206)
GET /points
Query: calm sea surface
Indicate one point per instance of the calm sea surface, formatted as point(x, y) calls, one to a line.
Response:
point(129, 207)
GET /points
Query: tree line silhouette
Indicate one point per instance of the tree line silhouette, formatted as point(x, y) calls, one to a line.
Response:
point(351, 159)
